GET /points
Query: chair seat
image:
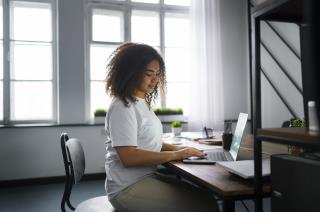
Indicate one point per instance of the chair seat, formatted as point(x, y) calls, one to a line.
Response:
point(95, 204)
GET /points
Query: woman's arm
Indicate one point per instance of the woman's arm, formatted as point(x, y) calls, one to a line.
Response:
point(132, 156)
point(170, 147)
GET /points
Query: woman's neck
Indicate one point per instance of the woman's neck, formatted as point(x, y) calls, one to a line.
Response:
point(139, 94)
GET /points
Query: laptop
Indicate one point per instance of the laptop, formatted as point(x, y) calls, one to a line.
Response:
point(212, 156)
point(245, 168)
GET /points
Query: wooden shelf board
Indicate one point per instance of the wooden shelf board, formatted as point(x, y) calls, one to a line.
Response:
point(280, 10)
point(294, 134)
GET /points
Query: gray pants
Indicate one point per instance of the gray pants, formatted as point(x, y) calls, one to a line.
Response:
point(166, 194)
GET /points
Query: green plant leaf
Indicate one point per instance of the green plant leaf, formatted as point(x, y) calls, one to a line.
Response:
point(168, 111)
point(100, 112)
point(176, 124)
point(296, 122)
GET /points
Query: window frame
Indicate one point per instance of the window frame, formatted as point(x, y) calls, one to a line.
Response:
point(4, 56)
point(126, 6)
point(7, 66)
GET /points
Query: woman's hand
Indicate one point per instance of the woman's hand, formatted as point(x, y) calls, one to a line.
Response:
point(131, 156)
point(188, 152)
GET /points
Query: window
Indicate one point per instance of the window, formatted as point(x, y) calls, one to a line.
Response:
point(1, 61)
point(145, 27)
point(161, 24)
point(30, 93)
point(147, 1)
point(107, 34)
point(178, 2)
point(177, 60)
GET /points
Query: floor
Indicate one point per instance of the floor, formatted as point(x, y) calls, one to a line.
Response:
point(42, 198)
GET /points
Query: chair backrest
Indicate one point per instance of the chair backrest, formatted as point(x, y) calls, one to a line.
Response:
point(74, 163)
point(75, 158)
point(76, 155)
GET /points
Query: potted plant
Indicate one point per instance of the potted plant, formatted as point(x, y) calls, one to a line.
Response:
point(294, 150)
point(296, 122)
point(169, 114)
point(99, 116)
point(176, 127)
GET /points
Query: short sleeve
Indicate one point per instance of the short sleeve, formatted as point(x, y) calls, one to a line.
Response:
point(123, 127)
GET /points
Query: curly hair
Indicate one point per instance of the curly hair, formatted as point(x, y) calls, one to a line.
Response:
point(126, 69)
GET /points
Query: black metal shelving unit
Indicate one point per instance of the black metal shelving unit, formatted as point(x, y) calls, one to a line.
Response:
point(300, 137)
point(303, 13)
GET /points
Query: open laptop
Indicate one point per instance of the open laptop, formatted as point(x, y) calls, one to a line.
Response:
point(215, 155)
point(245, 168)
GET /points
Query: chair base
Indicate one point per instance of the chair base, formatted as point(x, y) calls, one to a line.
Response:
point(96, 204)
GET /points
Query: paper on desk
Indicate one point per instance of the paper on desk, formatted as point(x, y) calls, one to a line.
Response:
point(187, 139)
point(209, 141)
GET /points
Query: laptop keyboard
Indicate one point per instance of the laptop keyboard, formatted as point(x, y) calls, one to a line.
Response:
point(216, 156)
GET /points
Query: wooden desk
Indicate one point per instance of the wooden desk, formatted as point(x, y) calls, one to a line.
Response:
point(225, 185)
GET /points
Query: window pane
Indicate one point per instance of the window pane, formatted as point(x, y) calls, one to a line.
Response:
point(177, 30)
point(31, 101)
point(32, 21)
point(177, 96)
point(1, 20)
point(1, 60)
point(107, 25)
point(145, 27)
point(147, 1)
point(99, 55)
point(30, 61)
point(177, 64)
point(99, 98)
point(178, 2)
point(1, 100)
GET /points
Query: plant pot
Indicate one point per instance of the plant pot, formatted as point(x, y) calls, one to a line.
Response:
point(296, 151)
point(99, 119)
point(176, 131)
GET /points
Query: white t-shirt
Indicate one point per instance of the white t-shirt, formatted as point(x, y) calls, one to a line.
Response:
point(134, 125)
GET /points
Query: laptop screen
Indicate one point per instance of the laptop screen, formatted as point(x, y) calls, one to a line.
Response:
point(237, 137)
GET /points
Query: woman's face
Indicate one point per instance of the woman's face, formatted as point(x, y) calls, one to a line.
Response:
point(150, 79)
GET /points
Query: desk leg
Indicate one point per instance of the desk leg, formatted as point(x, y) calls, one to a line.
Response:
point(228, 206)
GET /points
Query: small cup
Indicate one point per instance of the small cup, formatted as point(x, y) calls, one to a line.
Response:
point(226, 141)
point(228, 127)
point(207, 132)
point(176, 131)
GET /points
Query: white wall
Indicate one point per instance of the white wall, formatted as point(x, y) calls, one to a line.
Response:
point(71, 62)
point(34, 152)
point(274, 112)
point(235, 57)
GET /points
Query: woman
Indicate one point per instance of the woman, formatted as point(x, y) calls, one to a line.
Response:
point(134, 145)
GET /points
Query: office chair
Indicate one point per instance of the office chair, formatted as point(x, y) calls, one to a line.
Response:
point(74, 164)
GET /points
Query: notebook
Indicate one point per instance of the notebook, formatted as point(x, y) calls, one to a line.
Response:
point(245, 168)
point(213, 156)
